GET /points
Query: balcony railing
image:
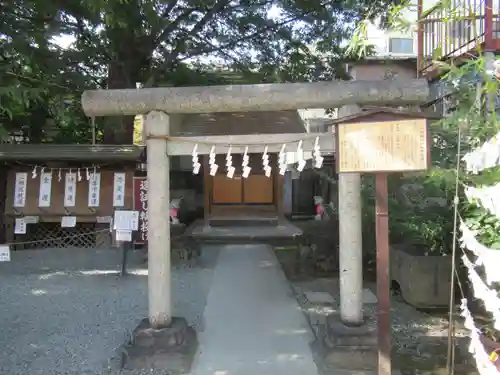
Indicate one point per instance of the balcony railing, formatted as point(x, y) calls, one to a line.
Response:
point(445, 36)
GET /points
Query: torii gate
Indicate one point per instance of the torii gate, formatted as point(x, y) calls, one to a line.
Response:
point(158, 103)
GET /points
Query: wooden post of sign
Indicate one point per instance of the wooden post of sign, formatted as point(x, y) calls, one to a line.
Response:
point(383, 278)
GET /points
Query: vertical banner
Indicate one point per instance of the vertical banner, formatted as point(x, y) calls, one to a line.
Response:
point(45, 189)
point(94, 189)
point(119, 190)
point(70, 190)
point(20, 189)
point(141, 205)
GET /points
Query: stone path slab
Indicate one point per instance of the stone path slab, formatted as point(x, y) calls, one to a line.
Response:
point(253, 324)
point(369, 297)
point(319, 297)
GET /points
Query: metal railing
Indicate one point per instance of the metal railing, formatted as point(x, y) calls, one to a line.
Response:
point(451, 34)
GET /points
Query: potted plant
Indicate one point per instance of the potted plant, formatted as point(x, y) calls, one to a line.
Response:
point(422, 237)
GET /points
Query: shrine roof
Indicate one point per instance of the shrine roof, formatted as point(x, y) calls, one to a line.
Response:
point(366, 113)
point(69, 152)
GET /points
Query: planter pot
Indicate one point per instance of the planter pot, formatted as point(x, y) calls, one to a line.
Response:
point(424, 280)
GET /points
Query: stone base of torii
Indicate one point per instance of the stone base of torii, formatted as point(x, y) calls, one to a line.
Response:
point(162, 334)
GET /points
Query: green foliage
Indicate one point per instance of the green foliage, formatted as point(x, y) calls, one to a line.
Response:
point(117, 43)
point(419, 219)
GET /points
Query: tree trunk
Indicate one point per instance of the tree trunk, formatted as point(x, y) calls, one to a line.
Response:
point(119, 130)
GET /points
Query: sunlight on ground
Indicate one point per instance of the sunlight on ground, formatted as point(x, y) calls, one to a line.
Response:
point(135, 272)
point(38, 292)
point(292, 332)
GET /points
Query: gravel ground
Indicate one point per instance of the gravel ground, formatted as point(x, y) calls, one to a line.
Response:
point(66, 311)
point(419, 339)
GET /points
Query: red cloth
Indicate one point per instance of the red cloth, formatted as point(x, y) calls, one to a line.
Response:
point(319, 209)
point(174, 212)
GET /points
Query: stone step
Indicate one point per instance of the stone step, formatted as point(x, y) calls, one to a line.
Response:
point(338, 334)
point(352, 359)
point(244, 222)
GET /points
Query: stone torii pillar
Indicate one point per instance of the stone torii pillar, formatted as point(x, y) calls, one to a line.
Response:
point(350, 242)
point(159, 283)
point(158, 103)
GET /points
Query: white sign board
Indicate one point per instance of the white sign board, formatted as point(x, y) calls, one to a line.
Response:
point(94, 189)
point(126, 220)
point(119, 190)
point(20, 226)
point(70, 190)
point(123, 235)
point(45, 189)
point(20, 189)
point(4, 253)
point(68, 222)
point(104, 219)
point(31, 219)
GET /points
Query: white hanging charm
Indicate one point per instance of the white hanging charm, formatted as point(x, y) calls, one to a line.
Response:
point(229, 164)
point(79, 175)
point(59, 175)
point(318, 159)
point(301, 163)
point(87, 174)
point(34, 174)
point(211, 162)
point(265, 163)
point(246, 168)
point(196, 162)
point(282, 160)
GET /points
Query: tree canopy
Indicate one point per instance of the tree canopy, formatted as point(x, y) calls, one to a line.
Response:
point(117, 43)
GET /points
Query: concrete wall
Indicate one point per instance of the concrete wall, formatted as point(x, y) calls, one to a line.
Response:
point(374, 70)
point(379, 37)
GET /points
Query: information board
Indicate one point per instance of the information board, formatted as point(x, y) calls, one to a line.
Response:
point(388, 146)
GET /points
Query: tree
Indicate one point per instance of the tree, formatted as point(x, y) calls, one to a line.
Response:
point(121, 42)
point(40, 87)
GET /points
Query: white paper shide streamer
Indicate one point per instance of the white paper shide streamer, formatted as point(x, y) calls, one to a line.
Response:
point(483, 363)
point(301, 162)
point(484, 157)
point(265, 163)
point(246, 168)
point(282, 160)
point(196, 160)
point(487, 197)
point(481, 291)
point(486, 257)
point(211, 162)
point(318, 159)
point(229, 164)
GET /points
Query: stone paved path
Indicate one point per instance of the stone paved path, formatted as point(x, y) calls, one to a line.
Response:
point(253, 324)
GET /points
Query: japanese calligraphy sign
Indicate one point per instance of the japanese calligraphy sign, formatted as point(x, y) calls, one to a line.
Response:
point(126, 220)
point(20, 189)
point(4, 253)
point(45, 191)
point(20, 226)
point(119, 190)
point(94, 190)
point(387, 146)
point(70, 190)
point(141, 205)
